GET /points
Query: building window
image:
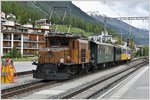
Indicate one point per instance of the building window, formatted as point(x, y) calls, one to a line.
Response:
point(7, 36)
point(17, 37)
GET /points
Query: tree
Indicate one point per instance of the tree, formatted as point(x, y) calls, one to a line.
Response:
point(118, 41)
point(21, 11)
point(14, 53)
point(145, 50)
point(132, 45)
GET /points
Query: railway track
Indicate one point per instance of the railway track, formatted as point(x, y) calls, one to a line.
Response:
point(23, 73)
point(30, 71)
point(25, 88)
point(87, 91)
point(130, 71)
point(13, 91)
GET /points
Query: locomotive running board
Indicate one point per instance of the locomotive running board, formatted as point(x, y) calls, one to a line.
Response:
point(50, 76)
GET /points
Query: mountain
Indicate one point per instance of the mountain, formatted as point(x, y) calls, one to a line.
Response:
point(138, 35)
point(29, 11)
point(46, 7)
point(42, 9)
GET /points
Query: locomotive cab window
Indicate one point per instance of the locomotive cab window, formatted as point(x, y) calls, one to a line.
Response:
point(59, 41)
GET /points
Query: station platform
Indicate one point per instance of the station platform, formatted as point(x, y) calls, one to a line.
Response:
point(24, 66)
point(135, 86)
point(21, 67)
point(68, 86)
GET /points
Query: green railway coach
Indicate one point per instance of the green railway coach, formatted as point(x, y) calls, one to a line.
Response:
point(102, 52)
point(117, 54)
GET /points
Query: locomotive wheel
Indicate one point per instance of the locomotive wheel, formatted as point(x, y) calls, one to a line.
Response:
point(104, 65)
point(71, 71)
point(86, 70)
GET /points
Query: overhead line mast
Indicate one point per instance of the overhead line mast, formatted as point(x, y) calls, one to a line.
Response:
point(123, 18)
point(134, 18)
point(130, 19)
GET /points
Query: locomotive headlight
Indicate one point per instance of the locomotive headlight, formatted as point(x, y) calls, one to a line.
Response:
point(62, 60)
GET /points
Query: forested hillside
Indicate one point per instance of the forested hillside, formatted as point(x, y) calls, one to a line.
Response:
point(122, 28)
point(34, 10)
point(23, 12)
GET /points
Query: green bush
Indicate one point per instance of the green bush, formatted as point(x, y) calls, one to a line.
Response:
point(14, 53)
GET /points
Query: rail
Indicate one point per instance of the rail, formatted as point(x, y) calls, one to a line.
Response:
point(21, 89)
point(86, 87)
point(10, 92)
point(23, 73)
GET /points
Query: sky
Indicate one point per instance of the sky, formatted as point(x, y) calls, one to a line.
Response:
point(118, 8)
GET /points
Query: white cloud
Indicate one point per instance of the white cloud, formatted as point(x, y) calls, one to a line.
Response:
point(114, 8)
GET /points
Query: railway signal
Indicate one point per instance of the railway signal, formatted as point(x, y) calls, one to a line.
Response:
point(128, 42)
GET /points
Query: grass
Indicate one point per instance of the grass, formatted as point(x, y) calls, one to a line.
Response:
point(64, 28)
point(21, 59)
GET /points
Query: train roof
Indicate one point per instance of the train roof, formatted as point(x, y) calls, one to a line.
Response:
point(118, 46)
point(54, 48)
point(124, 47)
point(103, 43)
point(67, 35)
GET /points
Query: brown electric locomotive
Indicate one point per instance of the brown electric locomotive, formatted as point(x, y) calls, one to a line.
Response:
point(64, 55)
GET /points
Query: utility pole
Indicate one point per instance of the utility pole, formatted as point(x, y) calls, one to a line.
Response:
point(104, 29)
point(130, 19)
point(69, 29)
point(130, 28)
point(121, 18)
point(133, 18)
point(121, 39)
point(63, 17)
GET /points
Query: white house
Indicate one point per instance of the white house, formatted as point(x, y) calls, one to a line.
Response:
point(96, 38)
point(10, 16)
point(41, 21)
point(8, 23)
point(100, 38)
point(108, 37)
point(28, 25)
point(3, 15)
point(45, 26)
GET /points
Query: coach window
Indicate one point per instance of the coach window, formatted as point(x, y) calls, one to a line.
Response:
point(110, 50)
point(100, 47)
point(105, 49)
point(124, 50)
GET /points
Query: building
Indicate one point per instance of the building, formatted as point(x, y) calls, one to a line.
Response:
point(100, 38)
point(28, 25)
point(3, 15)
point(26, 39)
point(7, 22)
point(10, 16)
point(137, 47)
point(41, 21)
